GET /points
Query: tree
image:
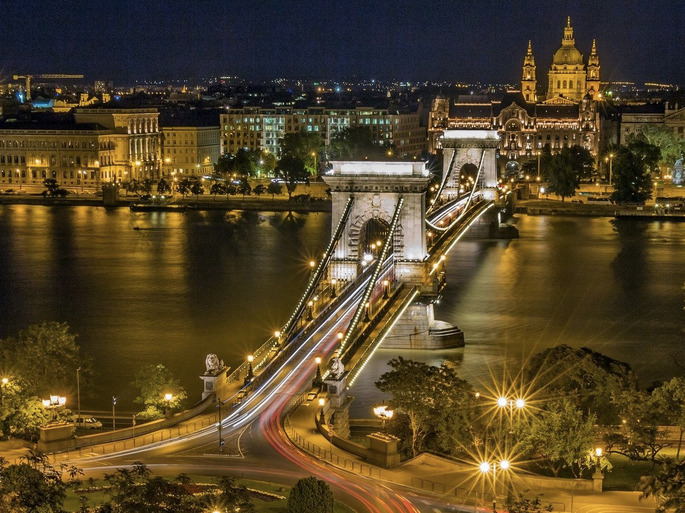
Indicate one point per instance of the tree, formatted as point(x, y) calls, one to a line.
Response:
point(632, 177)
point(131, 186)
point(33, 352)
point(259, 190)
point(51, 186)
point(581, 161)
point(667, 486)
point(233, 496)
point(197, 188)
point(436, 403)
point(163, 187)
point(670, 399)
point(670, 145)
point(311, 495)
point(274, 188)
point(307, 146)
point(183, 187)
point(218, 188)
point(155, 382)
point(292, 170)
point(134, 490)
point(639, 436)
point(562, 436)
point(357, 143)
point(145, 186)
point(244, 187)
point(590, 379)
point(31, 486)
point(562, 177)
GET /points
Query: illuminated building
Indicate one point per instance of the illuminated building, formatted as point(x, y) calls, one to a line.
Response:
point(189, 150)
point(258, 128)
point(568, 117)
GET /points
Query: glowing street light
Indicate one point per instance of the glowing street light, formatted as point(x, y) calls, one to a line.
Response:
point(318, 379)
point(485, 467)
point(55, 402)
point(383, 412)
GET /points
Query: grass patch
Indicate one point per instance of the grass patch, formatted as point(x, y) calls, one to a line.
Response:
point(625, 473)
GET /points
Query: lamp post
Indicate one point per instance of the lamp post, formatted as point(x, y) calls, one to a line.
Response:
point(221, 438)
point(133, 429)
point(78, 396)
point(316, 171)
point(277, 336)
point(322, 415)
point(310, 316)
point(611, 168)
point(55, 401)
point(318, 379)
point(485, 467)
point(114, 413)
point(383, 412)
point(386, 284)
point(168, 397)
point(250, 371)
point(333, 283)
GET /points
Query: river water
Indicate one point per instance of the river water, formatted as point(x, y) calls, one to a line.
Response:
point(186, 284)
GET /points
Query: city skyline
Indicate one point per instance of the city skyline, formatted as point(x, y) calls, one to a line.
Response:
point(440, 41)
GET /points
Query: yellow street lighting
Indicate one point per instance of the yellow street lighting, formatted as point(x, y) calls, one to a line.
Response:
point(168, 397)
point(502, 402)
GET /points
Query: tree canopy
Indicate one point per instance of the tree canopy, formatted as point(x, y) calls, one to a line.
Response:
point(436, 403)
point(357, 143)
point(632, 172)
point(311, 495)
point(154, 383)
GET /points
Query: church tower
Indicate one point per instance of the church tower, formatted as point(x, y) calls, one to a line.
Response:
point(593, 72)
point(567, 74)
point(528, 80)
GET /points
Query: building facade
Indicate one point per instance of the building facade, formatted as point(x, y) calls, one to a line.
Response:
point(135, 141)
point(68, 152)
point(257, 128)
point(189, 150)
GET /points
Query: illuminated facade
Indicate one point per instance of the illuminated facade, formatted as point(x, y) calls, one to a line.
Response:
point(135, 140)
point(569, 77)
point(257, 128)
point(189, 150)
point(70, 153)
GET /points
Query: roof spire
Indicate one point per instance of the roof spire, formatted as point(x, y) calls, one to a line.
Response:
point(568, 34)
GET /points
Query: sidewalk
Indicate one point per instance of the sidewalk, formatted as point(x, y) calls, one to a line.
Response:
point(451, 480)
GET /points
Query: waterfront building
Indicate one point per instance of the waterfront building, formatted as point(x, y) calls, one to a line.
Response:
point(189, 149)
point(72, 153)
point(259, 128)
point(135, 140)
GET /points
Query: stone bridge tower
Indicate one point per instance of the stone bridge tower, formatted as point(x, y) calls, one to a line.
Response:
point(377, 188)
point(463, 151)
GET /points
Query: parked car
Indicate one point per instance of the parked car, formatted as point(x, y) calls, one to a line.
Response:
point(88, 423)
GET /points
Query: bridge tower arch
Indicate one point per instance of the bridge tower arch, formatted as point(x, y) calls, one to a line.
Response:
point(376, 188)
point(469, 148)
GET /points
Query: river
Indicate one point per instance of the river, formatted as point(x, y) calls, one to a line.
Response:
point(182, 285)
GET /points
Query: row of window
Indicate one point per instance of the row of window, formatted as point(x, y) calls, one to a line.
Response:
point(35, 174)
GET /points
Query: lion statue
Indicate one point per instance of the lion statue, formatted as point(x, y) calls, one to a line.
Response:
point(337, 367)
point(213, 364)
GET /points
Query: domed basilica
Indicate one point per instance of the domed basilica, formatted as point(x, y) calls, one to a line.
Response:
point(567, 115)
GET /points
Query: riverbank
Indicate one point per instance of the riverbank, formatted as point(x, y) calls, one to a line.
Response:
point(275, 204)
point(549, 207)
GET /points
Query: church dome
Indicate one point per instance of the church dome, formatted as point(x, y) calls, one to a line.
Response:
point(567, 55)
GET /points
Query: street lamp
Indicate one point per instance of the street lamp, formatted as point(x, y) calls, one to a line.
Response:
point(114, 416)
point(221, 438)
point(485, 467)
point(310, 304)
point(322, 415)
point(386, 284)
point(78, 396)
point(318, 379)
point(250, 371)
point(168, 398)
point(383, 412)
point(333, 283)
point(611, 166)
point(55, 401)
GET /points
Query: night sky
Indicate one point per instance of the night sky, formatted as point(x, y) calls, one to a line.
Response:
point(124, 41)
